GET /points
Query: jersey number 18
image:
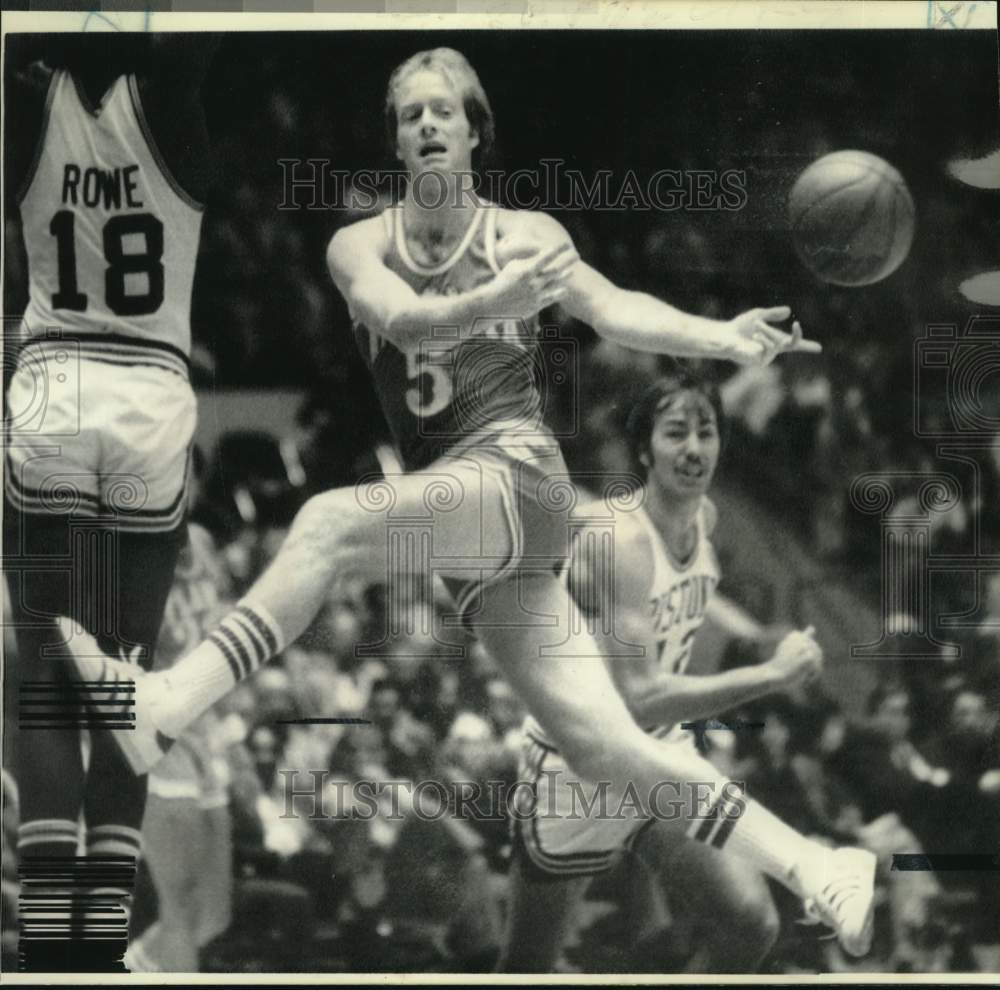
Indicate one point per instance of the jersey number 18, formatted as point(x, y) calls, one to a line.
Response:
point(119, 262)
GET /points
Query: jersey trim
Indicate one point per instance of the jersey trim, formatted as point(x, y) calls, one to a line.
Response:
point(84, 100)
point(154, 149)
point(658, 540)
point(29, 178)
point(449, 262)
point(112, 349)
point(490, 239)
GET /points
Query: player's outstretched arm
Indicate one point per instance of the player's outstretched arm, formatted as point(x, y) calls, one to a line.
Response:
point(387, 306)
point(644, 323)
point(656, 697)
point(669, 698)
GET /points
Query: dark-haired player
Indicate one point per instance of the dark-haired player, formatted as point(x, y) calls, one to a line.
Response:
point(656, 587)
point(108, 166)
point(445, 291)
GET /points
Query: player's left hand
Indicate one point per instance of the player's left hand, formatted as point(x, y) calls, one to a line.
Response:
point(758, 343)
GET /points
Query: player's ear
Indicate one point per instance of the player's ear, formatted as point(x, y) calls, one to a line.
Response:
point(474, 136)
point(644, 458)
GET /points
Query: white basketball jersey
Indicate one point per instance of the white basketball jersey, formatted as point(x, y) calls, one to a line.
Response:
point(111, 238)
point(678, 596)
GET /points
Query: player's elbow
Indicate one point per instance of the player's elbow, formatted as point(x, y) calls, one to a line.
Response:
point(610, 311)
point(338, 255)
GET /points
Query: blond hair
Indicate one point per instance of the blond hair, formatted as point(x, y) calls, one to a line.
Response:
point(454, 67)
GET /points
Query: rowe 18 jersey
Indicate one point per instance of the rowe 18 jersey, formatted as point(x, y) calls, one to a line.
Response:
point(111, 238)
point(435, 397)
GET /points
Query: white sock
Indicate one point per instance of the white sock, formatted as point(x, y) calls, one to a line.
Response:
point(246, 639)
point(748, 830)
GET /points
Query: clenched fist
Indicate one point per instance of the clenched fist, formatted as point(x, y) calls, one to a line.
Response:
point(798, 658)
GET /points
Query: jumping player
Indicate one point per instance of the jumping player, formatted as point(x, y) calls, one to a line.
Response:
point(445, 291)
point(656, 587)
point(109, 170)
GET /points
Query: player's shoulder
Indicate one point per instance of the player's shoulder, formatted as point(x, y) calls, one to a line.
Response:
point(529, 224)
point(632, 538)
point(363, 237)
point(710, 515)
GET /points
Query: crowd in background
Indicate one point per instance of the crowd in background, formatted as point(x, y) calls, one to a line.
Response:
point(415, 887)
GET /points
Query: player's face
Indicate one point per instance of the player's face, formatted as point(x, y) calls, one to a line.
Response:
point(432, 131)
point(684, 446)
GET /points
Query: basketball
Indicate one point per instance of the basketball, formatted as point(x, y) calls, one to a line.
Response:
point(852, 218)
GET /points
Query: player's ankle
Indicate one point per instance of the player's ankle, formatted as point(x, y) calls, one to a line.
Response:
point(806, 875)
point(171, 713)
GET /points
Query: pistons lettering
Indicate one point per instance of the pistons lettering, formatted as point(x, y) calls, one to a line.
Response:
point(685, 601)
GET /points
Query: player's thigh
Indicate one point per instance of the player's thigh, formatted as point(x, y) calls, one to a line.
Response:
point(455, 519)
point(537, 637)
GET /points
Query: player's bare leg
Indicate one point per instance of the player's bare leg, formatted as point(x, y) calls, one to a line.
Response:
point(540, 915)
point(216, 885)
point(735, 920)
point(173, 831)
point(528, 622)
point(567, 687)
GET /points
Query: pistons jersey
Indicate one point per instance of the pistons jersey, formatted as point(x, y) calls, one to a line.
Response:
point(678, 597)
point(110, 236)
point(435, 397)
point(679, 594)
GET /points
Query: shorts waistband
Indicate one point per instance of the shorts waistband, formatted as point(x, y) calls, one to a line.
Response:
point(109, 349)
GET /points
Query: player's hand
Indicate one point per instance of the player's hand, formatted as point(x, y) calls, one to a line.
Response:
point(797, 660)
point(526, 285)
point(757, 342)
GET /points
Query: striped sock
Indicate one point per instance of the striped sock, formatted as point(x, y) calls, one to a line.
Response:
point(114, 840)
point(48, 837)
point(246, 639)
point(747, 829)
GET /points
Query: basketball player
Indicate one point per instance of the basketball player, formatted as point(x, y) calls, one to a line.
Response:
point(656, 587)
point(187, 831)
point(110, 181)
point(445, 292)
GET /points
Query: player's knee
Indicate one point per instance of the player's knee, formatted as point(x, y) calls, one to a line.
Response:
point(589, 757)
point(319, 516)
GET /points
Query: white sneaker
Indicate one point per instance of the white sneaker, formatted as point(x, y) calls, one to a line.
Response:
point(842, 896)
point(127, 692)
